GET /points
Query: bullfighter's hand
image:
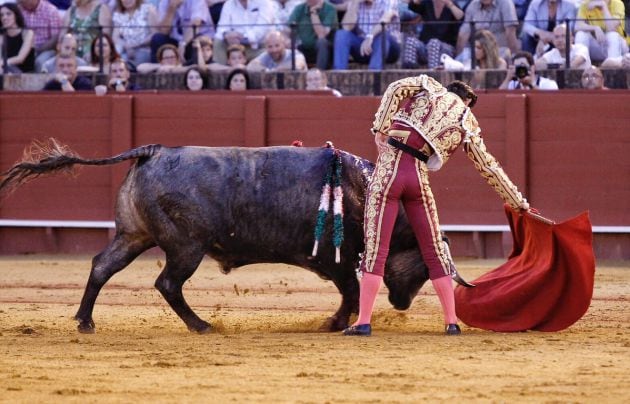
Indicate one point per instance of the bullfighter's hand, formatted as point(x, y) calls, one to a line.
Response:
point(525, 206)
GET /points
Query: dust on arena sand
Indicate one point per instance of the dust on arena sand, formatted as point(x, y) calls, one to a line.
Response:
point(266, 348)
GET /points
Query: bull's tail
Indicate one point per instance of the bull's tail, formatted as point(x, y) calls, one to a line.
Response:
point(51, 157)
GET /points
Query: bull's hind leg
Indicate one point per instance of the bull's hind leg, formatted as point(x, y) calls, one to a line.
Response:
point(118, 254)
point(180, 265)
point(349, 289)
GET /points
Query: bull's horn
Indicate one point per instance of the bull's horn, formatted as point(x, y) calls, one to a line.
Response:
point(461, 280)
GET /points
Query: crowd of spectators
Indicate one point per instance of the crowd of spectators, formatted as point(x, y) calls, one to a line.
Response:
point(202, 36)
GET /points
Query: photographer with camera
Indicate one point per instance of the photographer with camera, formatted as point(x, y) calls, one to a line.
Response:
point(522, 75)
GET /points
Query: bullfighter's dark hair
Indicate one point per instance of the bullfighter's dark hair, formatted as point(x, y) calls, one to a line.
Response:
point(464, 91)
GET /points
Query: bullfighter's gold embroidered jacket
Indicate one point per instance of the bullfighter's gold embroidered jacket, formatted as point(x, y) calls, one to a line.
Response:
point(445, 122)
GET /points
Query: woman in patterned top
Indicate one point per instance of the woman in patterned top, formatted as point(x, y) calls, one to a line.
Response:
point(135, 22)
point(84, 18)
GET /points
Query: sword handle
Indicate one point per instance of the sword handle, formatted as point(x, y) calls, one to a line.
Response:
point(540, 218)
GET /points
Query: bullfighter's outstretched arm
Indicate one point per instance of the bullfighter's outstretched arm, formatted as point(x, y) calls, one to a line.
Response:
point(489, 167)
point(398, 91)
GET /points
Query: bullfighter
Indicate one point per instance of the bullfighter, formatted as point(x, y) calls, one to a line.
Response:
point(417, 127)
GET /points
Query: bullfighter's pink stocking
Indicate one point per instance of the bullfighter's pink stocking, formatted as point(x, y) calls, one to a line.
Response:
point(444, 288)
point(370, 285)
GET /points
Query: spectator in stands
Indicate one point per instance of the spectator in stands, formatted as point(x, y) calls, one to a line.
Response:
point(119, 78)
point(360, 34)
point(498, 17)
point(17, 41)
point(593, 79)
point(316, 80)
point(236, 56)
point(438, 35)
point(66, 77)
point(238, 80)
point(276, 56)
point(45, 21)
point(600, 27)
point(200, 52)
point(135, 22)
point(541, 18)
point(195, 79)
point(83, 19)
point(244, 22)
point(66, 45)
point(179, 21)
point(109, 53)
point(487, 51)
point(169, 62)
point(316, 22)
point(522, 75)
point(283, 9)
point(486, 57)
point(578, 55)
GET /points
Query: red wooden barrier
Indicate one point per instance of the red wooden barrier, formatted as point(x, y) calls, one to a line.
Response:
point(567, 152)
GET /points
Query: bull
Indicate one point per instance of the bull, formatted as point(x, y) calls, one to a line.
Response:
point(239, 206)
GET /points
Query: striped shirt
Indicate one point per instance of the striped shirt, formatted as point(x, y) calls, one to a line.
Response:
point(371, 14)
point(45, 22)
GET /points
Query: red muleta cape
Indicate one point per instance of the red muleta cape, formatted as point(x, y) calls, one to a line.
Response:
point(546, 283)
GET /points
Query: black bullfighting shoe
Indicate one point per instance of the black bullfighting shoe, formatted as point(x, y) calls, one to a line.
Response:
point(362, 330)
point(453, 329)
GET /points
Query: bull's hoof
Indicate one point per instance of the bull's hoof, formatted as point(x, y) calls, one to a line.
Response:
point(333, 324)
point(203, 328)
point(86, 327)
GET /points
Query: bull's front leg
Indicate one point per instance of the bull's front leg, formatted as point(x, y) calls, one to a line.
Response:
point(349, 288)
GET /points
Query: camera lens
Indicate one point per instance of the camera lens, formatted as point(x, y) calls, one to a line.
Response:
point(521, 71)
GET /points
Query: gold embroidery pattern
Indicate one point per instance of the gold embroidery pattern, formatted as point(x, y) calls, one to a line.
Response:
point(432, 216)
point(438, 119)
point(398, 91)
point(384, 172)
point(492, 172)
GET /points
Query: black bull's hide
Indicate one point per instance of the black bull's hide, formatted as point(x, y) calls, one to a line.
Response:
point(239, 206)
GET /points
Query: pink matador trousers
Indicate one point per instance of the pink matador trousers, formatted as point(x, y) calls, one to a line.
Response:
point(399, 177)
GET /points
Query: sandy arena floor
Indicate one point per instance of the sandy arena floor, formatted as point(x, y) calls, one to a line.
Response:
point(266, 348)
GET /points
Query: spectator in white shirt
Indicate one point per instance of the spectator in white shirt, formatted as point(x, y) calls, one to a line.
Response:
point(244, 22)
point(578, 55)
